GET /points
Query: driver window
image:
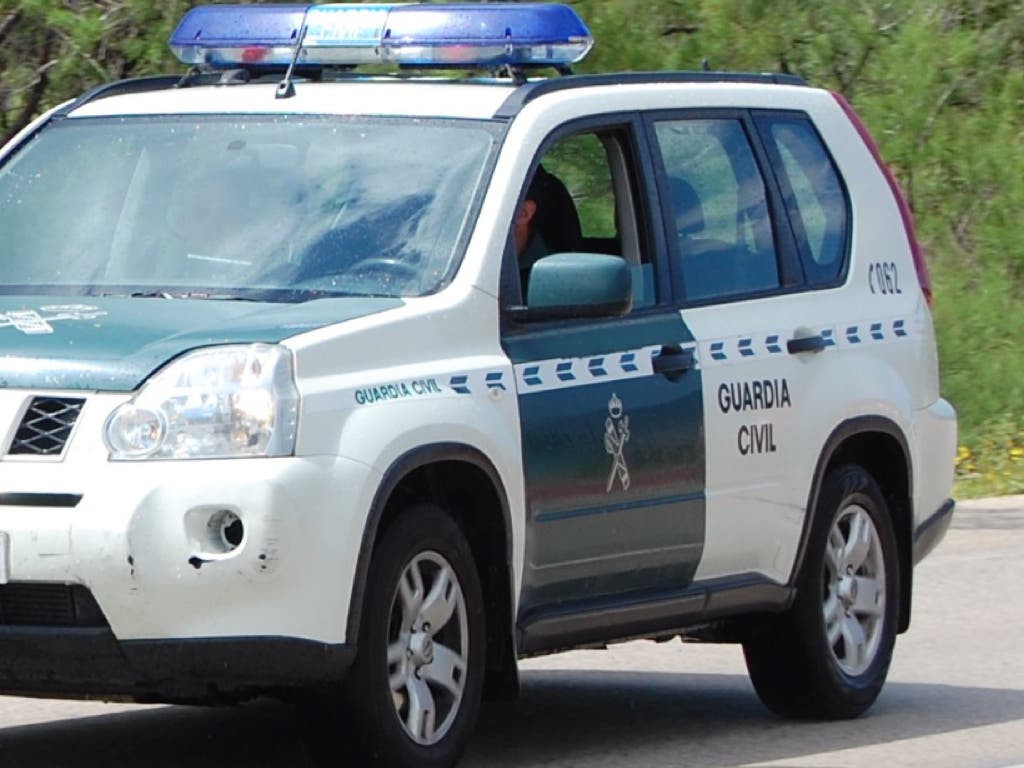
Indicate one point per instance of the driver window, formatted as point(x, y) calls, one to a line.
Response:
point(581, 199)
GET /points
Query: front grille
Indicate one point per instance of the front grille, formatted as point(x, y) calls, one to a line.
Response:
point(46, 426)
point(28, 604)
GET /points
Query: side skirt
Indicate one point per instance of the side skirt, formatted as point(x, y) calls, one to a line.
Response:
point(649, 615)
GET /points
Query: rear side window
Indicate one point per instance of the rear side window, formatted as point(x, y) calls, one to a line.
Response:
point(815, 198)
point(719, 209)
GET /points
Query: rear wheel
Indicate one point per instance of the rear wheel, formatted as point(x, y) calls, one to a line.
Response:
point(829, 656)
point(414, 691)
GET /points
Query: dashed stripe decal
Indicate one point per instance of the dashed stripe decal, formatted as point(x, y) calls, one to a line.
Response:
point(565, 373)
point(740, 348)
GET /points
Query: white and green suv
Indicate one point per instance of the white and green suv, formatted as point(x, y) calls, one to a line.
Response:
point(370, 385)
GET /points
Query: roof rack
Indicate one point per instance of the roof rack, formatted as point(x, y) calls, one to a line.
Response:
point(531, 90)
point(194, 76)
point(120, 87)
point(526, 91)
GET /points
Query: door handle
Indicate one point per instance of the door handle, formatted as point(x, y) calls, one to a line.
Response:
point(673, 361)
point(805, 344)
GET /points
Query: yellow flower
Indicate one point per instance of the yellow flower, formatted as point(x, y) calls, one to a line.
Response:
point(963, 453)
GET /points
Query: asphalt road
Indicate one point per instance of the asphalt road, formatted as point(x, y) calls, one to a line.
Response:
point(955, 697)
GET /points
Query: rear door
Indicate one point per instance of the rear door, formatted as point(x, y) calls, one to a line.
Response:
point(763, 335)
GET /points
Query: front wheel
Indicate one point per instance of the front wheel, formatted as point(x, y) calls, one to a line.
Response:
point(414, 690)
point(829, 656)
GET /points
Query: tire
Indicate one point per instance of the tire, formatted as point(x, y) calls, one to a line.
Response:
point(828, 657)
point(414, 691)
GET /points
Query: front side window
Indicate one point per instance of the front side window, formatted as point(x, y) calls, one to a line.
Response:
point(582, 198)
point(274, 207)
point(718, 208)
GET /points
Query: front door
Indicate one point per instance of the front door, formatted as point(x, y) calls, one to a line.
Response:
point(611, 418)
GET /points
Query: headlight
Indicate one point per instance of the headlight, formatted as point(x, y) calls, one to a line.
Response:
point(222, 402)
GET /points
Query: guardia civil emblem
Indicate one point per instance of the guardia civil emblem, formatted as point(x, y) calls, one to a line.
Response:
point(616, 435)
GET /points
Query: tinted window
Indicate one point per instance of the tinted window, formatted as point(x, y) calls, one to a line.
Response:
point(718, 204)
point(815, 201)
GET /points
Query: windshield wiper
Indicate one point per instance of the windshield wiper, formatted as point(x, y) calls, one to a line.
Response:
point(179, 295)
point(144, 295)
point(272, 295)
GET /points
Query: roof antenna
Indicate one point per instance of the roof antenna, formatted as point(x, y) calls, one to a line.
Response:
point(189, 77)
point(286, 88)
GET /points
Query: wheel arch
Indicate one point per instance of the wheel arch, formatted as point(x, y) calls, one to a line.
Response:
point(879, 446)
point(463, 480)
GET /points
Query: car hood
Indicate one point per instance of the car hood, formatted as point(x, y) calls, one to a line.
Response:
point(114, 344)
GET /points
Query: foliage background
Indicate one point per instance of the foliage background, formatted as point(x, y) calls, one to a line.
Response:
point(940, 83)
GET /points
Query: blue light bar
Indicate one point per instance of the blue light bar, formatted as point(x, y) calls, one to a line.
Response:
point(415, 35)
point(234, 35)
point(520, 34)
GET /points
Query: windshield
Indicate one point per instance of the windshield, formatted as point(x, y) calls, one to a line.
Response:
point(272, 207)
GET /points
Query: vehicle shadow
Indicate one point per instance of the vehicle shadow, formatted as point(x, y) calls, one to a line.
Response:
point(589, 717)
point(598, 718)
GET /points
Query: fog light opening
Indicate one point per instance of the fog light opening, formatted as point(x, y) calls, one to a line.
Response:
point(227, 531)
point(232, 532)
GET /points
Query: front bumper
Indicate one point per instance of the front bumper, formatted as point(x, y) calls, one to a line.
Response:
point(107, 590)
point(89, 662)
point(138, 539)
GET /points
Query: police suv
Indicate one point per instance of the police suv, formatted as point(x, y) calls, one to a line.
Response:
point(366, 386)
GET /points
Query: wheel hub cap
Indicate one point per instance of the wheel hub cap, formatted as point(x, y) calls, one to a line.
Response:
point(847, 591)
point(854, 590)
point(421, 649)
point(428, 648)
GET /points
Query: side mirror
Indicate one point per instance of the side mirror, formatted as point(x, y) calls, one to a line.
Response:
point(568, 285)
